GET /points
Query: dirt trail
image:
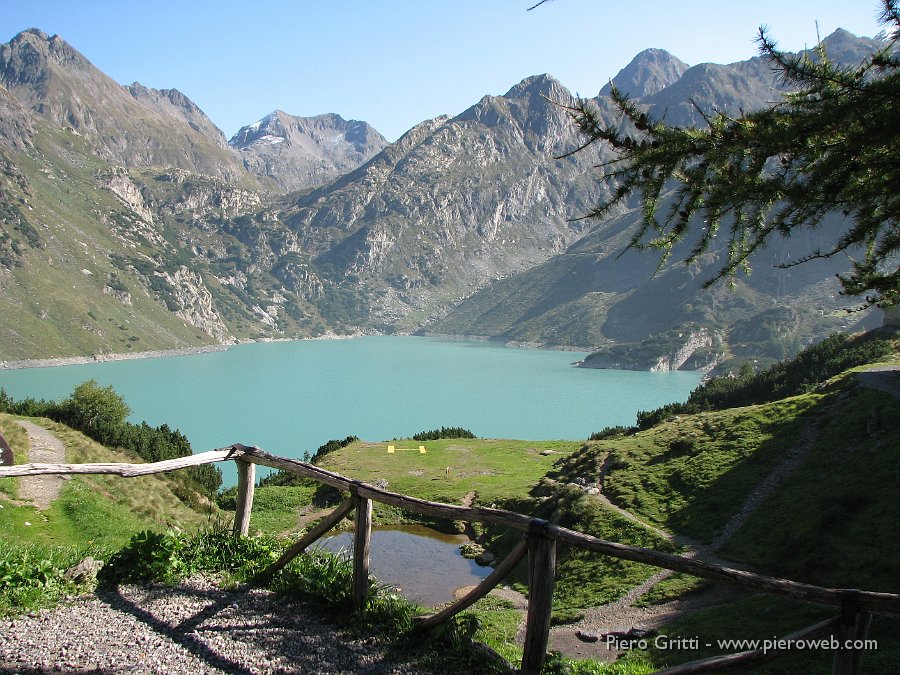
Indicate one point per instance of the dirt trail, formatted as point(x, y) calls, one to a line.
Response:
point(883, 378)
point(620, 615)
point(48, 449)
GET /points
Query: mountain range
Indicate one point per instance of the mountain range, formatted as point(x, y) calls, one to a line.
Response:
point(128, 222)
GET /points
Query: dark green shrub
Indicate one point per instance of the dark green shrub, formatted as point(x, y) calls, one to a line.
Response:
point(443, 432)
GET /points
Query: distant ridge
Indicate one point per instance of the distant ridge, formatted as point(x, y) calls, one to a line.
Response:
point(129, 126)
point(304, 152)
point(649, 72)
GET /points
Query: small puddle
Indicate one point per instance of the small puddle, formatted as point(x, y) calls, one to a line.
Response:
point(423, 564)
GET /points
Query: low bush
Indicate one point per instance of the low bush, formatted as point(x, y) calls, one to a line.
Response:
point(443, 432)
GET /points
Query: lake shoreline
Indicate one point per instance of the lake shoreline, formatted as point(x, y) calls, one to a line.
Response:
point(101, 358)
point(149, 354)
point(17, 364)
point(514, 344)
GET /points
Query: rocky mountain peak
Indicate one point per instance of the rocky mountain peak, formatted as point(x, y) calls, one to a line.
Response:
point(174, 103)
point(131, 126)
point(649, 72)
point(544, 84)
point(266, 129)
point(27, 58)
point(843, 46)
point(302, 152)
point(175, 97)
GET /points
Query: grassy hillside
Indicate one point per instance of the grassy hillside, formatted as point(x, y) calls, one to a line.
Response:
point(102, 510)
point(830, 522)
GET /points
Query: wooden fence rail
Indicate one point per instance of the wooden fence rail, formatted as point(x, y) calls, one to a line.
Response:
point(539, 543)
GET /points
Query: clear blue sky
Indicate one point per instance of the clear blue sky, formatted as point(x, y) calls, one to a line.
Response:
point(394, 63)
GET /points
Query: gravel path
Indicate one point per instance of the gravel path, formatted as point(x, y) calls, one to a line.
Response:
point(194, 628)
point(45, 448)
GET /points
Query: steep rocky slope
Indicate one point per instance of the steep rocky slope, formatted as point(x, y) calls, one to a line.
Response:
point(127, 126)
point(648, 73)
point(128, 224)
point(453, 204)
point(597, 294)
point(305, 152)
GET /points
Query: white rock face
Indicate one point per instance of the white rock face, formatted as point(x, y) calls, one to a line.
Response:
point(121, 185)
point(196, 303)
point(694, 341)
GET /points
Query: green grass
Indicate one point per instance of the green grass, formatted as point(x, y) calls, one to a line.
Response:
point(105, 510)
point(493, 469)
point(675, 587)
point(842, 499)
point(831, 522)
point(276, 508)
point(18, 441)
point(498, 624)
point(79, 516)
point(583, 578)
point(31, 575)
point(692, 474)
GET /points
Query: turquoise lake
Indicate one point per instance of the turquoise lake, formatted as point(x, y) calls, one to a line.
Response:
point(291, 397)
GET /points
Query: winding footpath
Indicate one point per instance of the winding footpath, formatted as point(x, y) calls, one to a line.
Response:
point(45, 448)
point(621, 615)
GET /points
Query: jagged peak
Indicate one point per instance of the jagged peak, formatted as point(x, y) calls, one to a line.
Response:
point(173, 96)
point(46, 43)
point(37, 32)
point(280, 124)
point(840, 34)
point(652, 70)
point(536, 84)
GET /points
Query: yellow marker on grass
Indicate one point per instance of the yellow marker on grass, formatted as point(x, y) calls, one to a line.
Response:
point(390, 449)
point(421, 449)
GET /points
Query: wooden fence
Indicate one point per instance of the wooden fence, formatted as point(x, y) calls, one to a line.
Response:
point(538, 544)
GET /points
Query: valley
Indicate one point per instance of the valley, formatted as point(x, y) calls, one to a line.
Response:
point(193, 292)
point(117, 241)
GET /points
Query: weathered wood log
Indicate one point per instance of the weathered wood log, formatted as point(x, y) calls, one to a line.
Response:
point(487, 584)
point(862, 632)
point(720, 663)
point(295, 466)
point(361, 541)
point(124, 470)
point(449, 511)
point(246, 475)
point(541, 577)
point(311, 537)
point(888, 602)
point(852, 631)
point(434, 509)
point(868, 600)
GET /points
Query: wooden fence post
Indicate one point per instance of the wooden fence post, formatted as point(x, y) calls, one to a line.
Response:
point(246, 474)
point(541, 577)
point(361, 539)
point(854, 626)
